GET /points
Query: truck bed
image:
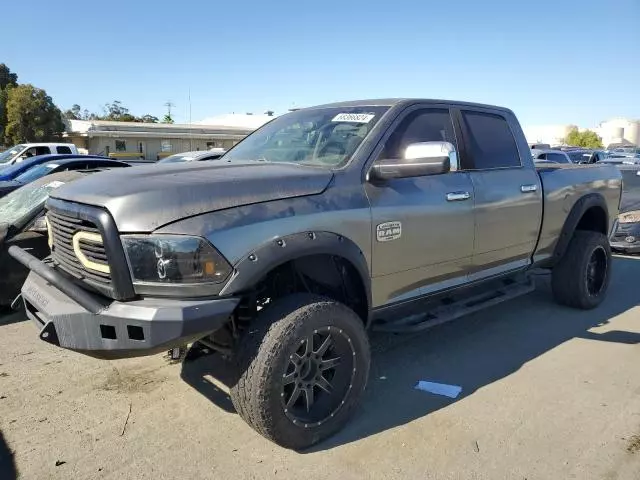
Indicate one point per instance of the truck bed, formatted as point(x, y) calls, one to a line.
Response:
point(562, 186)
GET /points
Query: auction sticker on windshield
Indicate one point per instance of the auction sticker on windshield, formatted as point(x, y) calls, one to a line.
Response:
point(54, 184)
point(354, 117)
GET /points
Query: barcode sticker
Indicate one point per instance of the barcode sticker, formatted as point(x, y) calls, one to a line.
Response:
point(354, 117)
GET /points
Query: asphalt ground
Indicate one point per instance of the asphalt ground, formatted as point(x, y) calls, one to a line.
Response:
point(547, 393)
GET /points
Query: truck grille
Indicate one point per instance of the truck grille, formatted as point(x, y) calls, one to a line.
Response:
point(63, 228)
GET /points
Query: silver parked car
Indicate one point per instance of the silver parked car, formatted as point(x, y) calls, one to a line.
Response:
point(196, 156)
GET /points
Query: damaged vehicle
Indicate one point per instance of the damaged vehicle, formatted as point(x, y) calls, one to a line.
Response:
point(327, 222)
point(626, 232)
point(22, 223)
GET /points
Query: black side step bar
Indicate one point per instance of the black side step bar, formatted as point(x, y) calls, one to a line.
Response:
point(448, 309)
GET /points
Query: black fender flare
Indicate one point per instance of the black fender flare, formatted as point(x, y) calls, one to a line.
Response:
point(260, 261)
point(577, 211)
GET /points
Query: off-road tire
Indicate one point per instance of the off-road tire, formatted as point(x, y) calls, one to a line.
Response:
point(569, 279)
point(264, 353)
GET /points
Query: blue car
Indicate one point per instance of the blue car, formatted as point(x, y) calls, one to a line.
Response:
point(13, 171)
point(82, 162)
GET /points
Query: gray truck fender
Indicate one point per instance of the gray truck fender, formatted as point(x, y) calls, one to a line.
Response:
point(573, 219)
point(257, 263)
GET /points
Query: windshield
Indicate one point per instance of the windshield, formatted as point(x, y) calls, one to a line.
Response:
point(178, 157)
point(323, 137)
point(36, 172)
point(7, 155)
point(23, 202)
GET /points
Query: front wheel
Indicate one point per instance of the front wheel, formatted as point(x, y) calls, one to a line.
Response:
point(303, 368)
point(582, 276)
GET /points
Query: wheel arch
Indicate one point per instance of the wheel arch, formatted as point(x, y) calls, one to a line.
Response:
point(270, 256)
point(589, 213)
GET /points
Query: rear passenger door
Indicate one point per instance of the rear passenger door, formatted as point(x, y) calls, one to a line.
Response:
point(508, 193)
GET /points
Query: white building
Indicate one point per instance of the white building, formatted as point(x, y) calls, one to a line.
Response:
point(619, 131)
point(614, 131)
point(152, 141)
point(550, 134)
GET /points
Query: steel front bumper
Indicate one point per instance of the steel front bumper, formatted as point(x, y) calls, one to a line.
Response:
point(117, 329)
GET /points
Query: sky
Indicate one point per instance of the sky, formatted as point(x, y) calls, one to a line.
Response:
point(551, 61)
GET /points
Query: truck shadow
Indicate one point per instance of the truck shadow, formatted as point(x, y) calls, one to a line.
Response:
point(7, 466)
point(8, 316)
point(471, 352)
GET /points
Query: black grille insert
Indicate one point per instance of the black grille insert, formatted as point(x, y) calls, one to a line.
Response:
point(63, 228)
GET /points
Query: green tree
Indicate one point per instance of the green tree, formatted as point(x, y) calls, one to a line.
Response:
point(7, 81)
point(6, 77)
point(116, 112)
point(31, 116)
point(167, 118)
point(586, 138)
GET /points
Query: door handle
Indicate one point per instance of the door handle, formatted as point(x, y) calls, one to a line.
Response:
point(458, 196)
point(528, 188)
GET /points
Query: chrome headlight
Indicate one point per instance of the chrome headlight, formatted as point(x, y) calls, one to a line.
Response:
point(174, 259)
point(629, 217)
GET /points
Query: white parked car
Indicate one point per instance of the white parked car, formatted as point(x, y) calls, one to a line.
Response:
point(19, 152)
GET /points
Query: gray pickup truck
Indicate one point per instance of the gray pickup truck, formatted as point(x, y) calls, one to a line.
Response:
point(393, 215)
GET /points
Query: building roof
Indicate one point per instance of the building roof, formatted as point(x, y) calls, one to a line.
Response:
point(237, 120)
point(98, 128)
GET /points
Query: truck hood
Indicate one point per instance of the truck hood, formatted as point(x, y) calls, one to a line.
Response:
point(144, 198)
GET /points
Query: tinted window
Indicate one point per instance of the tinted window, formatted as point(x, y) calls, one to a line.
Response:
point(432, 125)
point(490, 141)
point(63, 149)
point(42, 150)
point(557, 157)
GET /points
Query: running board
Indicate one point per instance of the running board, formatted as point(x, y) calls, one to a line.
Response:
point(450, 308)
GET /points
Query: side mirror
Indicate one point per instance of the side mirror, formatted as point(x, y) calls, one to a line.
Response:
point(420, 159)
point(39, 225)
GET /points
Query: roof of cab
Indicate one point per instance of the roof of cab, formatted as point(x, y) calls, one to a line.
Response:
point(390, 102)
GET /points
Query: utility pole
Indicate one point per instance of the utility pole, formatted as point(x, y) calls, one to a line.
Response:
point(169, 104)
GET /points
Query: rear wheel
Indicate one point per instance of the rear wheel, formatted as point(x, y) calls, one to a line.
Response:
point(582, 276)
point(303, 369)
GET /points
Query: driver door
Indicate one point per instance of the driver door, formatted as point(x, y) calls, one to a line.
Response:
point(432, 216)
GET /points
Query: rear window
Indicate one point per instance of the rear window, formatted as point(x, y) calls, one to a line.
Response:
point(490, 142)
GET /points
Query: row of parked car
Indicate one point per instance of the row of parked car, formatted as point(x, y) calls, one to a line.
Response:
point(25, 183)
point(576, 155)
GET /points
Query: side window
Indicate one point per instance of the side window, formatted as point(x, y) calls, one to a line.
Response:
point(490, 141)
point(63, 149)
point(542, 156)
point(557, 157)
point(30, 152)
point(42, 150)
point(428, 125)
